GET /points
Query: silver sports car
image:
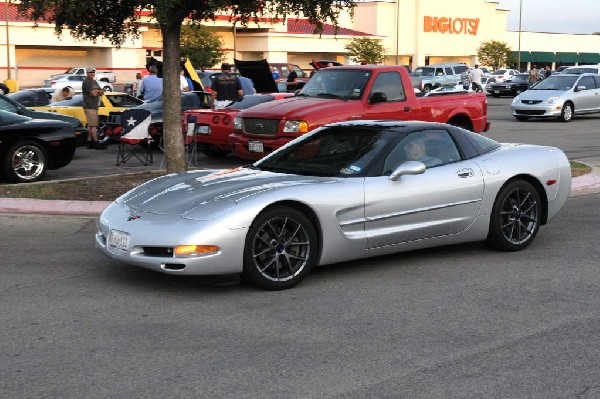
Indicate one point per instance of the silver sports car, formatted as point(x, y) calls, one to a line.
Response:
point(345, 191)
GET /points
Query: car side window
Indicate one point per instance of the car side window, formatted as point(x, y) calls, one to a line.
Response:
point(439, 72)
point(7, 106)
point(389, 83)
point(588, 82)
point(448, 71)
point(597, 80)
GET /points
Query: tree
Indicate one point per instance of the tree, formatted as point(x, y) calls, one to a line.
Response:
point(495, 54)
point(366, 50)
point(202, 46)
point(119, 20)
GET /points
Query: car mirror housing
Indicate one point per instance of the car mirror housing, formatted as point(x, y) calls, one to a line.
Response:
point(407, 168)
point(378, 97)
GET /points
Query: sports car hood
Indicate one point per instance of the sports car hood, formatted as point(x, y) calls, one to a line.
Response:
point(301, 107)
point(540, 95)
point(203, 195)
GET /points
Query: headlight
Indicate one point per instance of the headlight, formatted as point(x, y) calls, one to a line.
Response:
point(237, 123)
point(295, 127)
point(516, 100)
point(551, 100)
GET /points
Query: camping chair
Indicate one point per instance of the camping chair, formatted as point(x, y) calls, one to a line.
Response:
point(135, 141)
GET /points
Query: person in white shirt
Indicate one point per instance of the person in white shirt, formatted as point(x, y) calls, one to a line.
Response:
point(476, 75)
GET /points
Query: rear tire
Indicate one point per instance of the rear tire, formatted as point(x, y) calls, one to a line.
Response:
point(516, 217)
point(280, 249)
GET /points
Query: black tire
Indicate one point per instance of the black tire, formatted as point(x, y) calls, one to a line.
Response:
point(103, 138)
point(26, 161)
point(213, 151)
point(522, 118)
point(516, 217)
point(566, 115)
point(4, 89)
point(280, 249)
point(107, 88)
point(495, 95)
point(426, 89)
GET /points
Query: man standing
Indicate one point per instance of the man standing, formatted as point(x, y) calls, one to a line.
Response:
point(292, 79)
point(465, 79)
point(533, 75)
point(226, 88)
point(92, 94)
point(476, 76)
point(152, 86)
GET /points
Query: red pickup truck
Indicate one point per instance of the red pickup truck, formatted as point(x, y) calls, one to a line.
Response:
point(342, 93)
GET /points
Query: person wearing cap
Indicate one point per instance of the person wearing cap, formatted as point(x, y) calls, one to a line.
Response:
point(152, 86)
point(92, 94)
point(226, 88)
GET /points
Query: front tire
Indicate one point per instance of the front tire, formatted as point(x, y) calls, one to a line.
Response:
point(280, 249)
point(516, 217)
point(25, 162)
point(566, 115)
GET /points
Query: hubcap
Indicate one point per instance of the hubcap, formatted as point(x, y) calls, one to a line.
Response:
point(280, 249)
point(568, 114)
point(520, 216)
point(28, 162)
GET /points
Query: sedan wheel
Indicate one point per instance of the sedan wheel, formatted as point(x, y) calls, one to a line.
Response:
point(25, 162)
point(280, 250)
point(515, 218)
point(567, 113)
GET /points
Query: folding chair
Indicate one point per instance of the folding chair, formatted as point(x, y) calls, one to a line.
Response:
point(189, 140)
point(135, 141)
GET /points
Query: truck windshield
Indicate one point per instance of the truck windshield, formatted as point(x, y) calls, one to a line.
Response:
point(335, 83)
point(557, 82)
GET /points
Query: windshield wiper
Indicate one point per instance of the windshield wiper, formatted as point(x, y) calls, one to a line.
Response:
point(302, 94)
point(331, 95)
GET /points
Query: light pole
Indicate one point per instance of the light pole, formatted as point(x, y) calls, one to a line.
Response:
point(519, 52)
point(7, 42)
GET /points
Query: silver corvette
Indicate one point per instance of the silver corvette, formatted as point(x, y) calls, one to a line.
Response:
point(345, 191)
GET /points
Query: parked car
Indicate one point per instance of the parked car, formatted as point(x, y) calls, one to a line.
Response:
point(211, 128)
point(345, 191)
point(561, 68)
point(500, 75)
point(437, 75)
point(102, 76)
point(109, 102)
point(72, 81)
point(583, 69)
point(29, 147)
point(7, 103)
point(510, 87)
point(559, 96)
point(31, 97)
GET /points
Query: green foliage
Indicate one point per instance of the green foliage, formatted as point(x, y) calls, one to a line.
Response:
point(203, 47)
point(495, 54)
point(364, 49)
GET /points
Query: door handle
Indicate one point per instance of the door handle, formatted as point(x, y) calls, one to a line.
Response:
point(464, 173)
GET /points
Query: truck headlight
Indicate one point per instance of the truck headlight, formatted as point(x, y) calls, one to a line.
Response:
point(237, 123)
point(551, 100)
point(295, 127)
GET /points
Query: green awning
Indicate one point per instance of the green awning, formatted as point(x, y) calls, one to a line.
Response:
point(525, 56)
point(543, 56)
point(569, 58)
point(590, 58)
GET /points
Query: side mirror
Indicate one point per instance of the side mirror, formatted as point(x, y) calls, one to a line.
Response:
point(580, 88)
point(378, 97)
point(407, 168)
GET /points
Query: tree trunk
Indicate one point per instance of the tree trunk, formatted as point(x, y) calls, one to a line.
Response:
point(172, 133)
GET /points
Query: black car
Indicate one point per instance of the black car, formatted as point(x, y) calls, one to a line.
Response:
point(511, 87)
point(29, 147)
point(31, 97)
point(8, 103)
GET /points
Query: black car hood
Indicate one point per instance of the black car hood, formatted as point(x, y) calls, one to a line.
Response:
point(260, 73)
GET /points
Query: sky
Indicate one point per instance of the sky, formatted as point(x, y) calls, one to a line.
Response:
point(566, 16)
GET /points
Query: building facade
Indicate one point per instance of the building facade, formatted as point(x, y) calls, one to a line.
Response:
point(413, 32)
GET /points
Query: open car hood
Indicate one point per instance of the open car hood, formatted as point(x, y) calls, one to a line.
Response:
point(260, 73)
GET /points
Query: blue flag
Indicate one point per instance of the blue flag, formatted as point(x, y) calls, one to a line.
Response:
point(135, 123)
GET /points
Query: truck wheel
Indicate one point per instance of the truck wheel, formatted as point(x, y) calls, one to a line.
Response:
point(566, 114)
point(25, 162)
point(426, 89)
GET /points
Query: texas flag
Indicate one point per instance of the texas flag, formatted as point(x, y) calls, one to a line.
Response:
point(135, 123)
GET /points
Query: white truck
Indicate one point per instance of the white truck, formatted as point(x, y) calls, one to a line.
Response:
point(101, 76)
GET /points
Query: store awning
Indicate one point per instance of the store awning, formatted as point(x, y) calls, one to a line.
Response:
point(525, 56)
point(543, 56)
point(590, 58)
point(569, 58)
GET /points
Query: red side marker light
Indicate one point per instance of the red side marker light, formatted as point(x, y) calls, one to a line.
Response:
point(551, 182)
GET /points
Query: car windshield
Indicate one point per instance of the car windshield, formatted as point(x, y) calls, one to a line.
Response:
point(556, 82)
point(424, 71)
point(580, 70)
point(76, 101)
point(9, 118)
point(123, 100)
point(339, 151)
point(343, 84)
point(250, 101)
point(499, 72)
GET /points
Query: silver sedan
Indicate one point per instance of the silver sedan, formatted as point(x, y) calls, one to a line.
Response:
point(345, 191)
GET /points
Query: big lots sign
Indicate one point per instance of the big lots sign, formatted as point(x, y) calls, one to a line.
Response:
point(451, 25)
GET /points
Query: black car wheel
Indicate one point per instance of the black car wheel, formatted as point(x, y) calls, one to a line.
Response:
point(566, 115)
point(107, 88)
point(280, 249)
point(516, 217)
point(103, 138)
point(3, 89)
point(25, 162)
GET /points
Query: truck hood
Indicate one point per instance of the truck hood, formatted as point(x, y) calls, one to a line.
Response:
point(299, 108)
point(203, 195)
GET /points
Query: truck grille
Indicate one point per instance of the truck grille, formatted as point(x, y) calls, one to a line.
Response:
point(265, 127)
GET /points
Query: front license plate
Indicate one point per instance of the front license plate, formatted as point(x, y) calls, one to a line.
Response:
point(255, 146)
point(118, 240)
point(496, 91)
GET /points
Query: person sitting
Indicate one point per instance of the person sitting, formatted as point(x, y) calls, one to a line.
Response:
point(66, 93)
point(415, 151)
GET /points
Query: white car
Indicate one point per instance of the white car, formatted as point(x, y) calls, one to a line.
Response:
point(73, 81)
point(500, 75)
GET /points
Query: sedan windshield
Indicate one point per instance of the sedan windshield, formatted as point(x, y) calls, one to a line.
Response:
point(340, 151)
point(556, 82)
point(336, 83)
